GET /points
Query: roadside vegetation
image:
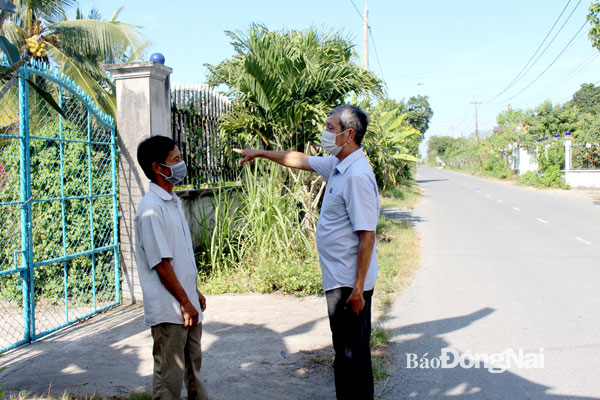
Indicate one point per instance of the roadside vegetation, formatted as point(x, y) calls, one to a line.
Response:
point(540, 131)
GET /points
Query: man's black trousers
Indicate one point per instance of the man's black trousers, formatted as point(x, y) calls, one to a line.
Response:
point(351, 336)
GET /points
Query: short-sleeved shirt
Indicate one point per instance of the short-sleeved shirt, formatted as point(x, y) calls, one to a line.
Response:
point(350, 205)
point(161, 231)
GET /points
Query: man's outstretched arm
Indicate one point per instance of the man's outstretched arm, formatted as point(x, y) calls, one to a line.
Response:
point(290, 159)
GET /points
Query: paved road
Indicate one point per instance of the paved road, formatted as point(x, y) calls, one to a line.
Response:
point(505, 269)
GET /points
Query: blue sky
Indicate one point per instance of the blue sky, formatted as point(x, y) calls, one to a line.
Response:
point(460, 51)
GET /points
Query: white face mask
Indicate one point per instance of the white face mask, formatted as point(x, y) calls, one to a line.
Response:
point(177, 173)
point(328, 142)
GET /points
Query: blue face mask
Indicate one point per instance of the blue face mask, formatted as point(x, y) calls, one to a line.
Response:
point(177, 173)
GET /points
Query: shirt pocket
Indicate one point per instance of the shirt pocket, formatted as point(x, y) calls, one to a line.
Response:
point(334, 206)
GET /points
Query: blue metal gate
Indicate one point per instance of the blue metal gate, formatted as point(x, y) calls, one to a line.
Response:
point(58, 208)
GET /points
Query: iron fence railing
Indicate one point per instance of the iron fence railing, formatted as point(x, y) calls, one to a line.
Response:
point(585, 156)
point(195, 113)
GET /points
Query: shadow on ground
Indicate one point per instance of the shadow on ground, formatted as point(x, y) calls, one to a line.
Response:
point(110, 355)
point(251, 361)
point(100, 355)
point(401, 214)
point(421, 181)
point(458, 382)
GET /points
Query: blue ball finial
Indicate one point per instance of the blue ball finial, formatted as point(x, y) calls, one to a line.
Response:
point(157, 58)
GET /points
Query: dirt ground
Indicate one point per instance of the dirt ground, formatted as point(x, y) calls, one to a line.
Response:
point(255, 347)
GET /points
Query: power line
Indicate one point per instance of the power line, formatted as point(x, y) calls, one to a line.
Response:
point(359, 13)
point(568, 76)
point(376, 54)
point(362, 18)
point(466, 115)
point(524, 70)
point(548, 67)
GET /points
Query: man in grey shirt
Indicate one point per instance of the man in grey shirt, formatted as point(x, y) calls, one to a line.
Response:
point(346, 242)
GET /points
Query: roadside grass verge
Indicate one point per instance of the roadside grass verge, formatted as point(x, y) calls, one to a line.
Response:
point(399, 256)
point(404, 195)
point(550, 179)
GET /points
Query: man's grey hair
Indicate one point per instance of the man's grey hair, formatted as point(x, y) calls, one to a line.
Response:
point(352, 117)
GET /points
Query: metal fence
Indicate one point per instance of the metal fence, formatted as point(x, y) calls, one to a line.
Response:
point(58, 208)
point(195, 113)
point(585, 156)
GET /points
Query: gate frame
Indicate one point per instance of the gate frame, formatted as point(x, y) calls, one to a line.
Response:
point(25, 270)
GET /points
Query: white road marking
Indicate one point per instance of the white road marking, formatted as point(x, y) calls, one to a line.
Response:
point(500, 201)
point(583, 240)
point(487, 195)
point(516, 209)
point(543, 221)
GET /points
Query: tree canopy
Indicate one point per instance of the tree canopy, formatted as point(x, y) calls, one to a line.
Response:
point(418, 113)
point(284, 83)
point(587, 98)
point(40, 29)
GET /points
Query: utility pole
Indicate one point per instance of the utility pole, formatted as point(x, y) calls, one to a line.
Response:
point(476, 127)
point(366, 35)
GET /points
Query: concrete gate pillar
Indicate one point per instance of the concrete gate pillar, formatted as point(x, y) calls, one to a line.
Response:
point(568, 153)
point(143, 110)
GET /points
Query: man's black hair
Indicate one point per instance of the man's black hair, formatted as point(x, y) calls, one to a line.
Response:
point(154, 149)
point(352, 117)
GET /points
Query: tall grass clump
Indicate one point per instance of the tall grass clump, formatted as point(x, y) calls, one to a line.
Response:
point(217, 238)
point(255, 240)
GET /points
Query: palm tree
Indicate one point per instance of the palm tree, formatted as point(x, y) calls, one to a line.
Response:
point(284, 83)
point(78, 47)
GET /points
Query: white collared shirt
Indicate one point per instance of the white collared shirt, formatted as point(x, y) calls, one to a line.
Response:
point(161, 231)
point(350, 205)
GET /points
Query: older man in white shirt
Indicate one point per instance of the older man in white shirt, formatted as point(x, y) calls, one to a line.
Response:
point(346, 242)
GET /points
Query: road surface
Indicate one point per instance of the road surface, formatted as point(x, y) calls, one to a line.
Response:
point(510, 278)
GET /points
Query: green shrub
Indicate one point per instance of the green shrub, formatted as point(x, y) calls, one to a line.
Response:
point(497, 168)
point(553, 177)
point(530, 178)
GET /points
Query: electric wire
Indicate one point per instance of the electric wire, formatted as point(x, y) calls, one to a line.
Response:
point(358, 12)
point(464, 119)
point(376, 54)
point(530, 65)
point(565, 99)
point(565, 78)
point(372, 39)
point(546, 69)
